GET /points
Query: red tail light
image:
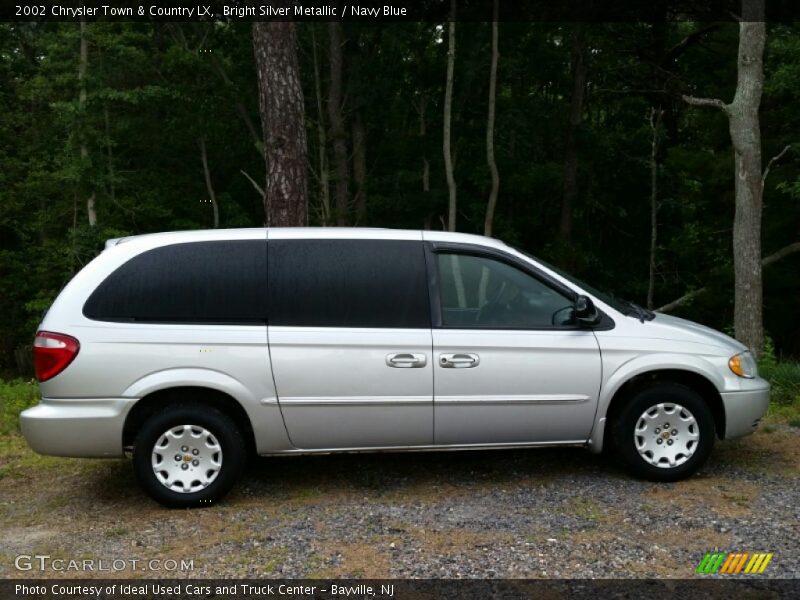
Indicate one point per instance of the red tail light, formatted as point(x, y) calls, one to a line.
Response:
point(52, 353)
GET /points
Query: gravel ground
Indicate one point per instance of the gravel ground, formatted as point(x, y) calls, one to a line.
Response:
point(534, 513)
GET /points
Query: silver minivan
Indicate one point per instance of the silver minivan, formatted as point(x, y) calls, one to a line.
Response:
point(192, 349)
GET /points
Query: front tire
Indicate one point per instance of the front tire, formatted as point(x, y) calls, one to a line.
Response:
point(664, 433)
point(188, 455)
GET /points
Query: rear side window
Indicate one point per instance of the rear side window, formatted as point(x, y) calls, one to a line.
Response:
point(198, 282)
point(348, 283)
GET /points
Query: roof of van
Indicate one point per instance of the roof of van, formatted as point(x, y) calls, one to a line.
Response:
point(313, 232)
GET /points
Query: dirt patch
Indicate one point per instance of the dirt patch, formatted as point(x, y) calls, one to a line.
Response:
point(457, 541)
point(713, 494)
point(773, 449)
point(536, 513)
point(700, 540)
point(356, 560)
point(24, 536)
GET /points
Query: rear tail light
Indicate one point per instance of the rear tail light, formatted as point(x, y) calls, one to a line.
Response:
point(52, 353)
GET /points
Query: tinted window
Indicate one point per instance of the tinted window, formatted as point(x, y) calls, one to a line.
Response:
point(484, 293)
point(348, 283)
point(198, 282)
point(610, 299)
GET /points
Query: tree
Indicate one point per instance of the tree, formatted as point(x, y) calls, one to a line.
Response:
point(492, 203)
point(360, 168)
point(82, 67)
point(212, 196)
point(745, 132)
point(323, 174)
point(156, 90)
point(578, 70)
point(448, 108)
point(336, 118)
point(655, 124)
point(283, 121)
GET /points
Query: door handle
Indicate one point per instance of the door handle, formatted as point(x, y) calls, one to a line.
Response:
point(459, 361)
point(405, 360)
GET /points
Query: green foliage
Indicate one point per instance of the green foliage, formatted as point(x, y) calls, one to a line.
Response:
point(15, 396)
point(768, 360)
point(784, 377)
point(155, 89)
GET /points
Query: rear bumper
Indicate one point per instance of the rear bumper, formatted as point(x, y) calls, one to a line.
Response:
point(743, 411)
point(73, 427)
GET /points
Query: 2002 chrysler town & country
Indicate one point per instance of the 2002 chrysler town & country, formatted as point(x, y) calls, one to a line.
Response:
point(192, 348)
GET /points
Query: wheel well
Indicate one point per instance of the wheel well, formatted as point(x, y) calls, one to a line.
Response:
point(698, 383)
point(152, 403)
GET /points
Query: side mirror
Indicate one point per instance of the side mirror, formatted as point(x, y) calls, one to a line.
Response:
point(585, 311)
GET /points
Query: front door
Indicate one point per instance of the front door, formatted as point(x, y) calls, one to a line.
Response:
point(511, 367)
point(350, 340)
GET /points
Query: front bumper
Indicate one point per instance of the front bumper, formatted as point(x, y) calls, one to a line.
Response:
point(743, 411)
point(72, 427)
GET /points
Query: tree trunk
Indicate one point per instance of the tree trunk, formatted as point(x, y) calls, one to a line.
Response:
point(360, 167)
point(91, 212)
point(336, 118)
point(655, 125)
point(745, 134)
point(283, 121)
point(322, 139)
point(578, 69)
point(112, 185)
point(448, 157)
point(207, 175)
point(448, 106)
point(492, 203)
point(426, 164)
point(259, 190)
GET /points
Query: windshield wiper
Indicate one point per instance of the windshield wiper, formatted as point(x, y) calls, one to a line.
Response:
point(642, 313)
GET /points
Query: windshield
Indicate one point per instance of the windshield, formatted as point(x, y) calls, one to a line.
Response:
point(624, 306)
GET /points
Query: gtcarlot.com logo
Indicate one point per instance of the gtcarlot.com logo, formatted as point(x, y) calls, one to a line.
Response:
point(44, 562)
point(734, 563)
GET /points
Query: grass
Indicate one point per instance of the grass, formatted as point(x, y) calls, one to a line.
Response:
point(15, 396)
point(785, 398)
point(584, 509)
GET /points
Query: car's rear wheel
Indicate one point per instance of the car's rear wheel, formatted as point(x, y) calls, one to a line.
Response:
point(664, 433)
point(188, 455)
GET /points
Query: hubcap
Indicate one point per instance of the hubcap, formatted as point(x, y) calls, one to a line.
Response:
point(666, 435)
point(186, 458)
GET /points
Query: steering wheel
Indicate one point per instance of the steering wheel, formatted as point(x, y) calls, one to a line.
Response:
point(561, 320)
point(491, 302)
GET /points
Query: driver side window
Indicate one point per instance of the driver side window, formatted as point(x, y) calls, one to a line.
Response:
point(479, 292)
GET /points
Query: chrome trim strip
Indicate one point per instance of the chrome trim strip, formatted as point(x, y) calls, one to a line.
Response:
point(514, 399)
point(433, 448)
point(354, 401)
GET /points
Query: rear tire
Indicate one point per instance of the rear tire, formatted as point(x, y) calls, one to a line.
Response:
point(664, 433)
point(188, 455)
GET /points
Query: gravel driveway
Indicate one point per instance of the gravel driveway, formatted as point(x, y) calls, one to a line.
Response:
point(534, 513)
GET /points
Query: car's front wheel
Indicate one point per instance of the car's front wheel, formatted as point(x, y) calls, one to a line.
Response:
point(665, 432)
point(188, 455)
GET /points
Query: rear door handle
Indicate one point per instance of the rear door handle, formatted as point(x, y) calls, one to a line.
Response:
point(459, 361)
point(406, 360)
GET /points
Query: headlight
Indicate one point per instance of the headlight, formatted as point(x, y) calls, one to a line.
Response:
point(744, 365)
